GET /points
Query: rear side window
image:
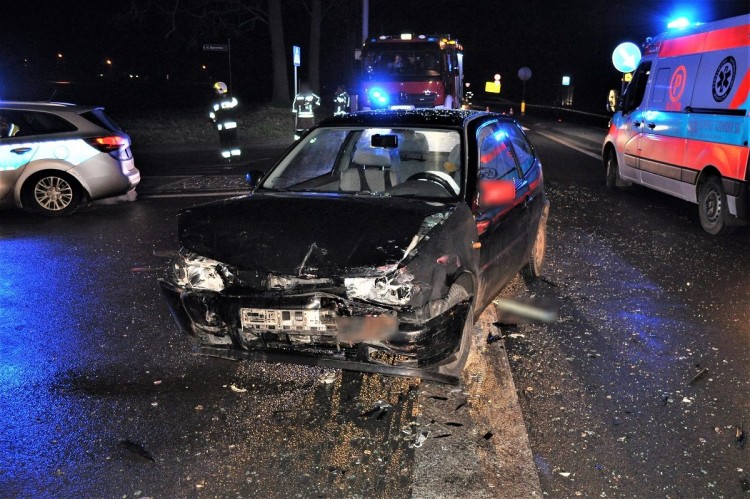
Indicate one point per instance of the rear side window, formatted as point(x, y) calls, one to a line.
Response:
point(35, 123)
point(100, 118)
point(522, 148)
point(496, 159)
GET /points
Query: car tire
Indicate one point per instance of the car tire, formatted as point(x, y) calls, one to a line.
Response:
point(712, 207)
point(535, 265)
point(52, 194)
point(457, 364)
point(612, 170)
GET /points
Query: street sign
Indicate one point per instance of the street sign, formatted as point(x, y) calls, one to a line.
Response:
point(524, 74)
point(216, 47)
point(566, 81)
point(296, 55)
point(492, 86)
point(626, 57)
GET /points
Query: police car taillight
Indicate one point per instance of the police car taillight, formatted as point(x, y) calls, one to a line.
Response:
point(109, 143)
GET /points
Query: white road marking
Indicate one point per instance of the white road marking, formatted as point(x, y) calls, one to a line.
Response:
point(570, 144)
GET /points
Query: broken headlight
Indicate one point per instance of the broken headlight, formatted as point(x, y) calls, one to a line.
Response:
point(392, 289)
point(192, 271)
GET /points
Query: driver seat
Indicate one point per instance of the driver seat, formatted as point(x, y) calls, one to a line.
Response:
point(370, 171)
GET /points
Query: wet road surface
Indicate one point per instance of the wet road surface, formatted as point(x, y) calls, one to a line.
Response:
point(639, 388)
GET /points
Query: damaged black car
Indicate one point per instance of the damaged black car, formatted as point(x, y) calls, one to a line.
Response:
point(372, 245)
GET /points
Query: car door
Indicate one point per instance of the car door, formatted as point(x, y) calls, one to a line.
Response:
point(503, 231)
point(630, 128)
point(664, 136)
point(17, 148)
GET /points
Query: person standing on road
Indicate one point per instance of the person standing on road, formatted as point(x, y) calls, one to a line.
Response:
point(304, 106)
point(224, 116)
point(342, 101)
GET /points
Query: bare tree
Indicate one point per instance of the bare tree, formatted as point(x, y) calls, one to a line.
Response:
point(190, 20)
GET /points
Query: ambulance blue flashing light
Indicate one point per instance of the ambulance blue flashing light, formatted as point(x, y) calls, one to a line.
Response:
point(678, 23)
point(378, 97)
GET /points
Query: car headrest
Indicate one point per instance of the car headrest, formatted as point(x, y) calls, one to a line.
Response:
point(372, 157)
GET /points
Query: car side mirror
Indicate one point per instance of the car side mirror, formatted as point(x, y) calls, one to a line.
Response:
point(253, 178)
point(612, 100)
point(494, 193)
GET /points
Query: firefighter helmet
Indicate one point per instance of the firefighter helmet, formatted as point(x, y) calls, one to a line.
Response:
point(220, 87)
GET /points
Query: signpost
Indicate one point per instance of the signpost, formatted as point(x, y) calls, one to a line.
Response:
point(493, 86)
point(297, 62)
point(524, 74)
point(625, 58)
point(222, 47)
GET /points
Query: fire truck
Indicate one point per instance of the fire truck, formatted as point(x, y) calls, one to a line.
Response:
point(411, 72)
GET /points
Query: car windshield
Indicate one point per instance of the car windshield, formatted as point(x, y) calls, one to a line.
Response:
point(395, 62)
point(409, 162)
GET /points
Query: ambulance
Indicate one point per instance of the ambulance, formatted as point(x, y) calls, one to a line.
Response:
point(682, 126)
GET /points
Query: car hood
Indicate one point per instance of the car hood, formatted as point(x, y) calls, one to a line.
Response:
point(305, 234)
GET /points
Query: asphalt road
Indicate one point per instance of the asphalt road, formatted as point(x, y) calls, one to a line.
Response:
point(639, 388)
point(636, 391)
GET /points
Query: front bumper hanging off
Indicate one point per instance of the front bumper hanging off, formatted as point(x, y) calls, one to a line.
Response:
point(411, 349)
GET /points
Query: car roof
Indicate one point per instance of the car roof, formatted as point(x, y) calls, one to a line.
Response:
point(456, 118)
point(45, 106)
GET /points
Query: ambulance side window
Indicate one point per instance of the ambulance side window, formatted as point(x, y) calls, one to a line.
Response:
point(661, 85)
point(637, 88)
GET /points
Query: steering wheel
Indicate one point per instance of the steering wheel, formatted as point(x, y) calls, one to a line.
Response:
point(442, 179)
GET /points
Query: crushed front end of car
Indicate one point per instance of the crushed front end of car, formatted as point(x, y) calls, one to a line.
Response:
point(404, 317)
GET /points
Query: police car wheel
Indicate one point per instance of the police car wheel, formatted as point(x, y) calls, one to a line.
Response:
point(612, 170)
point(52, 194)
point(712, 207)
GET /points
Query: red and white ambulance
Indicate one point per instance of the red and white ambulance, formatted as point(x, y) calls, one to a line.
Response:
point(682, 125)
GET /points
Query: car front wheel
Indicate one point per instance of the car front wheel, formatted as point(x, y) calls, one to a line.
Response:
point(53, 194)
point(612, 170)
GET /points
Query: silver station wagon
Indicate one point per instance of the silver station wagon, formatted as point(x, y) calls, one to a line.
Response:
point(54, 156)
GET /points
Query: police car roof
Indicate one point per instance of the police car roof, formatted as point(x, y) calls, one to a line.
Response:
point(410, 117)
point(45, 106)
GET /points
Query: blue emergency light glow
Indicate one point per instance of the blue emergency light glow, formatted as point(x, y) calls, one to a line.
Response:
point(378, 96)
point(678, 23)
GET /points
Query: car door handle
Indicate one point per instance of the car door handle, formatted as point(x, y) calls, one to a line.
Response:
point(20, 150)
point(651, 125)
point(636, 123)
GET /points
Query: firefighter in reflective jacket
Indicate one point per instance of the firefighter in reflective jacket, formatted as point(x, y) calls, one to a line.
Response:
point(224, 115)
point(341, 100)
point(304, 106)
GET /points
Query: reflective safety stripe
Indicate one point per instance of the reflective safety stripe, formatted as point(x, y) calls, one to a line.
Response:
point(230, 124)
point(212, 115)
point(236, 152)
point(216, 107)
point(306, 114)
point(219, 127)
point(226, 154)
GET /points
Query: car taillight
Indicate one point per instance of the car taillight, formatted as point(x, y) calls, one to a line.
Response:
point(109, 143)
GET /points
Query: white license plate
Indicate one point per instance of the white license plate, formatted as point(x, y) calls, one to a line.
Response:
point(263, 319)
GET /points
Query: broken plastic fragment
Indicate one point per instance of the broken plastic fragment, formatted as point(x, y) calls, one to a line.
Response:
point(237, 389)
point(421, 437)
point(327, 378)
point(136, 449)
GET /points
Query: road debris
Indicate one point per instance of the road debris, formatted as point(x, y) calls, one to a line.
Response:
point(136, 449)
point(237, 389)
point(421, 437)
point(487, 435)
point(740, 437)
point(698, 376)
point(327, 377)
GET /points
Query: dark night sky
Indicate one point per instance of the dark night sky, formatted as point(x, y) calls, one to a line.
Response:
point(572, 37)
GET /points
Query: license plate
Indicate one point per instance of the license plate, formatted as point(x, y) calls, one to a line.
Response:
point(262, 319)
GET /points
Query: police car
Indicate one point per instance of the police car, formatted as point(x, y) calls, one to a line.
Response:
point(55, 156)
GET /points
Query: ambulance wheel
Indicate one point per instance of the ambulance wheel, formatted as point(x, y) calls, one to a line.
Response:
point(612, 170)
point(712, 207)
point(52, 194)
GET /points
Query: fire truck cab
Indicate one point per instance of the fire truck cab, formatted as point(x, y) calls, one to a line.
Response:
point(682, 125)
point(411, 72)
